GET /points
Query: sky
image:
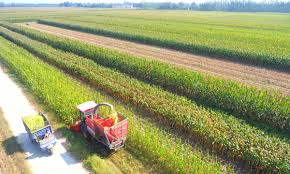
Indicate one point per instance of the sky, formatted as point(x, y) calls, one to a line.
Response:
point(99, 1)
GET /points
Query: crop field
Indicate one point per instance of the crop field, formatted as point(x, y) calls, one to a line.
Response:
point(66, 86)
point(260, 39)
point(229, 70)
point(215, 34)
point(180, 120)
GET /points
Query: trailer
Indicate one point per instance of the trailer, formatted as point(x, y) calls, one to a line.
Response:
point(41, 134)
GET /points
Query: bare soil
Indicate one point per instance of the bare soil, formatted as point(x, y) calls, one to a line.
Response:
point(12, 157)
point(250, 75)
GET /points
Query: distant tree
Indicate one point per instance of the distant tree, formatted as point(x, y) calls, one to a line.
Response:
point(65, 4)
point(218, 5)
point(245, 6)
point(193, 6)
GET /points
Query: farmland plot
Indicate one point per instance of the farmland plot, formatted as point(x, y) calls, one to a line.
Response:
point(146, 141)
point(269, 108)
point(249, 41)
point(95, 77)
point(180, 121)
point(250, 75)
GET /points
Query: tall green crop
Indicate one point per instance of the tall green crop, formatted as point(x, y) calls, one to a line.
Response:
point(63, 94)
point(270, 109)
point(219, 131)
point(162, 36)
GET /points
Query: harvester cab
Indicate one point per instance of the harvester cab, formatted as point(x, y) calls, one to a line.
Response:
point(87, 109)
point(103, 123)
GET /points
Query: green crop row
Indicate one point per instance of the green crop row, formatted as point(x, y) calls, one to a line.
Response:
point(63, 94)
point(250, 57)
point(262, 106)
point(219, 131)
point(34, 75)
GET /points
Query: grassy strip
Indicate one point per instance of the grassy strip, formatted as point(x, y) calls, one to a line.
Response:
point(65, 94)
point(263, 60)
point(180, 112)
point(261, 106)
point(12, 158)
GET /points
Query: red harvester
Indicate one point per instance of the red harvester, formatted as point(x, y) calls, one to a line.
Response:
point(109, 131)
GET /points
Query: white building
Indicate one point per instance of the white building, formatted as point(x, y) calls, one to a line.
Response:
point(123, 6)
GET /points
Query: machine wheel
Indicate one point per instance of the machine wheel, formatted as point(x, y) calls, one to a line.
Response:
point(85, 131)
point(33, 141)
point(50, 151)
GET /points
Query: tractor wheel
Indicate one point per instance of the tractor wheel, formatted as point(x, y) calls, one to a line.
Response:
point(50, 151)
point(85, 132)
point(33, 141)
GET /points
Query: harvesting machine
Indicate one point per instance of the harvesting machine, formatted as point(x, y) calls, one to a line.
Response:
point(110, 131)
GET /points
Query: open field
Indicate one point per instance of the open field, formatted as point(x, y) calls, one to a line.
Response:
point(12, 158)
point(187, 113)
point(123, 92)
point(250, 40)
point(272, 108)
point(33, 14)
point(139, 140)
point(246, 74)
point(253, 38)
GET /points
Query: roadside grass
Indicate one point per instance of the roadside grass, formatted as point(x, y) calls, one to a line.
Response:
point(12, 157)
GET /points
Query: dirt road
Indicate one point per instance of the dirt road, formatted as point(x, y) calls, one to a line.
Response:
point(14, 105)
point(243, 73)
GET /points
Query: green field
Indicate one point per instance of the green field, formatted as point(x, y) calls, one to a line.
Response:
point(253, 38)
point(261, 39)
point(270, 108)
point(146, 142)
point(180, 121)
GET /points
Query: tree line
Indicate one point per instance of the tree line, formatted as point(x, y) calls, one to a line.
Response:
point(27, 5)
point(219, 5)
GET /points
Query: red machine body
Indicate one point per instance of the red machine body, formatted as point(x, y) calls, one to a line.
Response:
point(108, 131)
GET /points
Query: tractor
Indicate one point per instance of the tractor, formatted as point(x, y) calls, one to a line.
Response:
point(111, 131)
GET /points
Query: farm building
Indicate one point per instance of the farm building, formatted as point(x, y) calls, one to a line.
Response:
point(123, 6)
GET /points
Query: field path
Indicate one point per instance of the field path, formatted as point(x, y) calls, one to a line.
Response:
point(14, 105)
point(243, 73)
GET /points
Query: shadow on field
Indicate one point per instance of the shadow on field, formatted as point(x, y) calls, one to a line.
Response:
point(11, 146)
point(79, 142)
